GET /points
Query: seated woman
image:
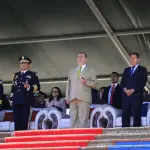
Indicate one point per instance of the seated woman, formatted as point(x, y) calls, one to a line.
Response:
point(55, 100)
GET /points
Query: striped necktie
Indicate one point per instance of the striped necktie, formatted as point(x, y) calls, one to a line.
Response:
point(79, 72)
point(112, 94)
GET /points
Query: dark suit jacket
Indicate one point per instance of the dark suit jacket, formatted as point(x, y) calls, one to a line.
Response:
point(95, 96)
point(137, 82)
point(1, 90)
point(117, 100)
point(20, 95)
point(5, 103)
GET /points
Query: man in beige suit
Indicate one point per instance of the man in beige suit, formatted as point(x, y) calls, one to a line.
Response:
point(78, 92)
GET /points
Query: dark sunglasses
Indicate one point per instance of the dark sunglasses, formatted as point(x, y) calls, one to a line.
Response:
point(54, 91)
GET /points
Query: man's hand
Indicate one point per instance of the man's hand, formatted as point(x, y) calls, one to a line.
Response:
point(129, 92)
point(26, 85)
point(83, 81)
point(67, 101)
point(11, 103)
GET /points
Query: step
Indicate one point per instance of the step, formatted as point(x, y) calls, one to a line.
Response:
point(50, 138)
point(118, 142)
point(5, 134)
point(2, 140)
point(95, 148)
point(100, 143)
point(108, 143)
point(118, 147)
point(126, 130)
point(122, 140)
point(122, 136)
point(21, 145)
point(49, 148)
point(59, 132)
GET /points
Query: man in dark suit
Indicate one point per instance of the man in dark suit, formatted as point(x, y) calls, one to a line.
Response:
point(112, 93)
point(95, 96)
point(133, 82)
point(25, 84)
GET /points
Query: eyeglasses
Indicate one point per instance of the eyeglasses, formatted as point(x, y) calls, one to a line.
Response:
point(113, 76)
point(54, 91)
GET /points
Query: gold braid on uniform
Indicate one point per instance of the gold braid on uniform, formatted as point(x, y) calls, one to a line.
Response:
point(35, 88)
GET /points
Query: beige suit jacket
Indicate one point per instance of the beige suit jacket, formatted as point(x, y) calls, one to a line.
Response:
point(75, 89)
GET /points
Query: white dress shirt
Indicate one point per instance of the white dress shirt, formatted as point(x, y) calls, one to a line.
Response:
point(82, 68)
point(24, 71)
point(135, 67)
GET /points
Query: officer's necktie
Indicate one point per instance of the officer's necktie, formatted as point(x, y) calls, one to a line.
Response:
point(112, 94)
point(132, 70)
point(22, 73)
point(79, 72)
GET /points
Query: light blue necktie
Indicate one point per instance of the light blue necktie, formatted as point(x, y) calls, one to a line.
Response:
point(132, 70)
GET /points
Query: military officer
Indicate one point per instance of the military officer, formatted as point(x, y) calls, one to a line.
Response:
point(25, 85)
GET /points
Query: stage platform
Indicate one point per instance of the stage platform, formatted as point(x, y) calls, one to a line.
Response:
point(78, 139)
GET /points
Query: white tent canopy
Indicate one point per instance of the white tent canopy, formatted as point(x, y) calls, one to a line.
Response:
point(52, 32)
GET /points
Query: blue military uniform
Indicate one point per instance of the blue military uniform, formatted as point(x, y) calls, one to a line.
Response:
point(23, 98)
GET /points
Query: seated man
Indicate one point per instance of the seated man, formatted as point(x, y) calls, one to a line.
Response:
point(145, 104)
point(39, 101)
point(4, 101)
point(95, 96)
point(112, 94)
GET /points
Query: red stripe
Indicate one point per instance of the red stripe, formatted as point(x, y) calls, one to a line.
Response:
point(59, 132)
point(47, 148)
point(50, 138)
point(43, 144)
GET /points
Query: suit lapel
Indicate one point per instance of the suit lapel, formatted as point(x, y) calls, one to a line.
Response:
point(84, 71)
point(117, 87)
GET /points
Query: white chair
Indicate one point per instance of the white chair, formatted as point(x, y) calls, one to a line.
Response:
point(111, 114)
point(56, 117)
point(40, 119)
point(5, 124)
point(114, 117)
point(96, 118)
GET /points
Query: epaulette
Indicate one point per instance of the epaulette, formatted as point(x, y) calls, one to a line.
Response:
point(17, 73)
point(35, 73)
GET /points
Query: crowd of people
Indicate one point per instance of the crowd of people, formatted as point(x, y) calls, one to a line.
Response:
point(81, 92)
